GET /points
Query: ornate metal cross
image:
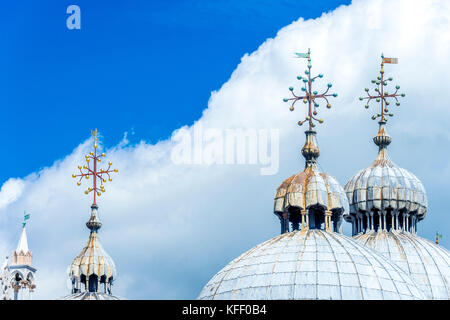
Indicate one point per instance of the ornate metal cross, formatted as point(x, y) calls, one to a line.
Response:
point(95, 172)
point(310, 96)
point(382, 95)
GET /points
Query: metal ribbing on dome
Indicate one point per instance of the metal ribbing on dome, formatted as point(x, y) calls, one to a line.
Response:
point(426, 263)
point(310, 198)
point(313, 264)
point(92, 267)
point(385, 196)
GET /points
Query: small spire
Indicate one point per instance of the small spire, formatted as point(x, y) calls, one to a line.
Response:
point(382, 139)
point(311, 97)
point(22, 246)
point(438, 236)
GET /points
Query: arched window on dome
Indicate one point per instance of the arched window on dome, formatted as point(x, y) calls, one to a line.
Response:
point(93, 283)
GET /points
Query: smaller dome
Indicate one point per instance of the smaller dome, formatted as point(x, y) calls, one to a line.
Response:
point(92, 267)
point(310, 188)
point(93, 260)
point(304, 196)
point(385, 196)
point(386, 185)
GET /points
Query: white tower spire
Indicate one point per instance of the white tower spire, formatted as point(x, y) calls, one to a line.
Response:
point(21, 268)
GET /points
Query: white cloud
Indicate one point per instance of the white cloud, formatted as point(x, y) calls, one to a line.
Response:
point(10, 191)
point(170, 227)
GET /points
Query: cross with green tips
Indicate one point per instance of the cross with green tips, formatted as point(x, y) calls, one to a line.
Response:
point(310, 96)
point(382, 95)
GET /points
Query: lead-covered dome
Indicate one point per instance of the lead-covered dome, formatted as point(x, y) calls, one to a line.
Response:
point(427, 263)
point(311, 264)
point(93, 271)
point(385, 195)
point(301, 195)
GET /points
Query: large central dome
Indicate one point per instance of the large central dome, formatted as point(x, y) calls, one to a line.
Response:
point(312, 264)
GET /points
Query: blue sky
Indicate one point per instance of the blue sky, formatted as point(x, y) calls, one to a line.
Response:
point(142, 67)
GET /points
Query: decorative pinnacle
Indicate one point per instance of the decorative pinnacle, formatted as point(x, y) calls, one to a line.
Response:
point(310, 96)
point(94, 223)
point(381, 95)
point(95, 172)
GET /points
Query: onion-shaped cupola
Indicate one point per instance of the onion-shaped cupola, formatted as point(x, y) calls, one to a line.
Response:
point(93, 267)
point(385, 196)
point(93, 272)
point(310, 199)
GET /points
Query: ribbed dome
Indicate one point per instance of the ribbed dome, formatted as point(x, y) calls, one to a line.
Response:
point(305, 195)
point(427, 263)
point(93, 259)
point(312, 264)
point(92, 267)
point(384, 195)
point(90, 296)
point(310, 188)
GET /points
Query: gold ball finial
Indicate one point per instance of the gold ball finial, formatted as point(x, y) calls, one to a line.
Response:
point(116, 170)
point(78, 183)
point(74, 176)
point(103, 154)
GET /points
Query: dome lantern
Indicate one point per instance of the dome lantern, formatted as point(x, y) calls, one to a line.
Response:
point(310, 199)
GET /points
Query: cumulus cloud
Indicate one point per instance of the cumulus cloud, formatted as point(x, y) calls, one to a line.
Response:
point(170, 227)
point(10, 191)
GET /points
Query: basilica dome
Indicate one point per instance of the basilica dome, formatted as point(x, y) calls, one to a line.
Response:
point(93, 271)
point(311, 259)
point(308, 190)
point(384, 193)
point(387, 203)
point(312, 264)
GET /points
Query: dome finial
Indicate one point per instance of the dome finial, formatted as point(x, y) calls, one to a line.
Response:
point(381, 94)
point(310, 150)
point(95, 172)
point(94, 223)
point(309, 96)
point(382, 139)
